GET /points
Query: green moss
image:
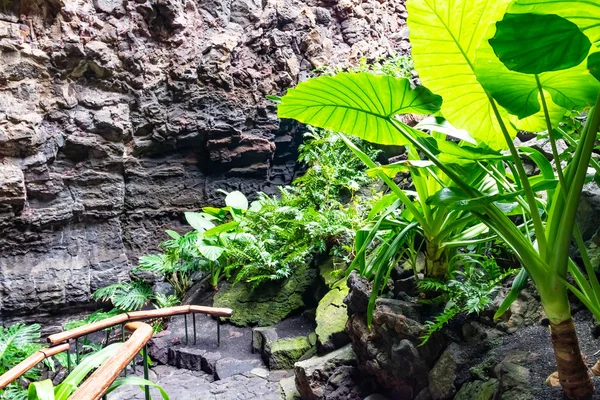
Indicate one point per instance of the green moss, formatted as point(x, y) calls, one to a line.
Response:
point(332, 271)
point(285, 352)
point(332, 315)
point(269, 303)
point(478, 390)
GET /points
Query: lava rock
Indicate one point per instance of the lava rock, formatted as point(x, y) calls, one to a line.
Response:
point(268, 304)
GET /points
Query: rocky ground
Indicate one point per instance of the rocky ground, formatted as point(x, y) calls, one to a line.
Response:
point(183, 384)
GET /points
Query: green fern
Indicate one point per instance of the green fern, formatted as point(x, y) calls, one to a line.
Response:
point(469, 290)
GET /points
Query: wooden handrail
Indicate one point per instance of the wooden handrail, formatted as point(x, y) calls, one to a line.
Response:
point(87, 329)
point(135, 316)
point(98, 383)
point(18, 370)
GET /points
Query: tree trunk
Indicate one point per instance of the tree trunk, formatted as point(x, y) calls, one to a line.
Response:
point(436, 261)
point(572, 371)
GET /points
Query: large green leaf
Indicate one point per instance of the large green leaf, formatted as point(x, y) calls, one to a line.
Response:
point(358, 104)
point(212, 253)
point(594, 65)
point(198, 221)
point(584, 13)
point(519, 93)
point(536, 43)
point(42, 390)
point(236, 199)
point(445, 36)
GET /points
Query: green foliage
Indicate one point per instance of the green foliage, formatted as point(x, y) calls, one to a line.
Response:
point(334, 171)
point(45, 390)
point(90, 319)
point(17, 342)
point(126, 296)
point(398, 66)
point(470, 289)
point(454, 58)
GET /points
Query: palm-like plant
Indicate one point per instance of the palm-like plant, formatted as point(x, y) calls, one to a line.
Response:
point(523, 77)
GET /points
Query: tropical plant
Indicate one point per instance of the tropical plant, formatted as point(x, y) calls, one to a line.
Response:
point(45, 390)
point(334, 172)
point(17, 342)
point(469, 290)
point(126, 296)
point(500, 66)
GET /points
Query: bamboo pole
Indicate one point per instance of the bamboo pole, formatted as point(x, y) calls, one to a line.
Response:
point(99, 382)
point(18, 370)
point(87, 329)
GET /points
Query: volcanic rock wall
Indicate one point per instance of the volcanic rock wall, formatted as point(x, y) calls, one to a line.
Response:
point(118, 115)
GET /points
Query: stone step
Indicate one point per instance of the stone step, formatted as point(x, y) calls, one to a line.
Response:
point(210, 362)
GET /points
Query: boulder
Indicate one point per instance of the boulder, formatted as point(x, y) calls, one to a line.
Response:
point(270, 302)
point(478, 390)
point(331, 318)
point(313, 374)
point(288, 389)
point(283, 353)
point(443, 375)
point(393, 339)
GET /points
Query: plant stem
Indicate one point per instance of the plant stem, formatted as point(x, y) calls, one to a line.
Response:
point(529, 195)
point(555, 155)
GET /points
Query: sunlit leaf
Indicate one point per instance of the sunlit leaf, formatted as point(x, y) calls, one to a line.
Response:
point(584, 13)
point(236, 199)
point(444, 37)
point(594, 65)
point(212, 253)
point(358, 104)
point(441, 125)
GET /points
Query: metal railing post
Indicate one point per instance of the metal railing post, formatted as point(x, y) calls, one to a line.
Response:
point(77, 351)
point(145, 355)
point(218, 332)
point(186, 329)
point(194, 322)
point(68, 360)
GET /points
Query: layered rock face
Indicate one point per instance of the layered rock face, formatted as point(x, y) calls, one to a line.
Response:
point(118, 115)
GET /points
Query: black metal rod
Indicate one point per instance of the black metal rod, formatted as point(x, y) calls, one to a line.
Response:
point(77, 350)
point(186, 329)
point(145, 355)
point(218, 332)
point(69, 360)
point(107, 337)
point(194, 322)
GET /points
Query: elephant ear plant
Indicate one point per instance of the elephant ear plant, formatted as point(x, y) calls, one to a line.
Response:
point(498, 66)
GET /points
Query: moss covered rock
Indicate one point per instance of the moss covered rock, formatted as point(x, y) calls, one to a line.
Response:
point(331, 319)
point(478, 390)
point(270, 302)
point(332, 271)
point(285, 352)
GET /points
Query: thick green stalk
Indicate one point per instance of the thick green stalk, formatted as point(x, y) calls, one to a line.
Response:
point(491, 215)
point(529, 194)
point(563, 240)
